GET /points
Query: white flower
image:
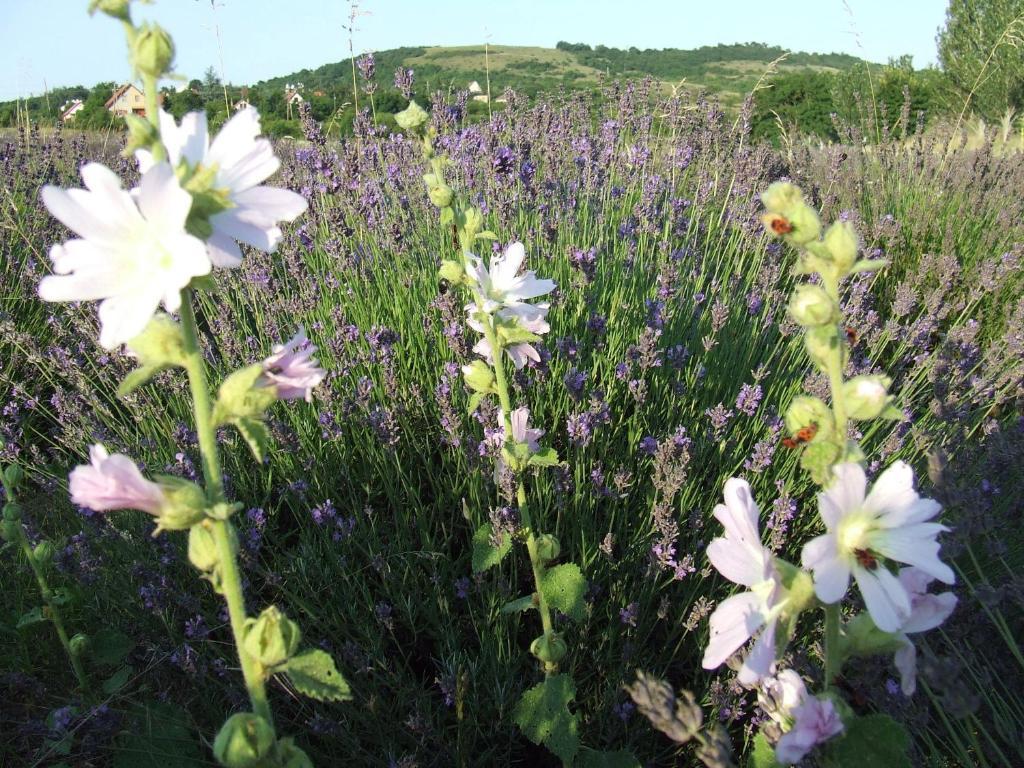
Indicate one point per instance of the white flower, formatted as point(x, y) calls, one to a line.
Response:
point(522, 432)
point(927, 611)
point(242, 162)
point(815, 720)
point(531, 317)
point(501, 285)
point(889, 523)
point(778, 696)
point(292, 370)
point(133, 253)
point(741, 558)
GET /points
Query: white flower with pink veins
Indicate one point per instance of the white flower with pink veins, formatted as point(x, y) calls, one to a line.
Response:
point(889, 523)
point(242, 162)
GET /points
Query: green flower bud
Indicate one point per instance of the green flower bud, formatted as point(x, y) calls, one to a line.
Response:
point(244, 741)
point(12, 511)
point(161, 344)
point(118, 9)
point(866, 397)
point(184, 507)
point(807, 414)
point(473, 223)
point(549, 648)
point(241, 395)
point(805, 223)
point(291, 756)
point(548, 547)
point(810, 306)
point(781, 197)
point(452, 271)
point(43, 553)
point(441, 195)
point(13, 475)
point(841, 242)
point(818, 459)
point(412, 118)
point(863, 638)
point(202, 547)
point(822, 345)
point(152, 51)
point(9, 530)
point(479, 376)
point(79, 644)
point(272, 638)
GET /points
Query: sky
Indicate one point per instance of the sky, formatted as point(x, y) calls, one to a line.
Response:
point(48, 43)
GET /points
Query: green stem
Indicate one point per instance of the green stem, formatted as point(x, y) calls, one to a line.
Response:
point(832, 660)
point(835, 375)
point(53, 612)
point(223, 532)
point(153, 115)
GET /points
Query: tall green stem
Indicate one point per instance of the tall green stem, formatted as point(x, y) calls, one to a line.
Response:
point(52, 610)
point(832, 660)
point(223, 532)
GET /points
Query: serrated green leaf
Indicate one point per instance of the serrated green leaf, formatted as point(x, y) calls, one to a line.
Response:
point(108, 647)
point(543, 715)
point(313, 674)
point(484, 555)
point(256, 436)
point(158, 736)
point(563, 587)
point(869, 740)
point(622, 758)
point(516, 335)
point(545, 457)
point(518, 606)
point(118, 680)
point(763, 755)
point(35, 616)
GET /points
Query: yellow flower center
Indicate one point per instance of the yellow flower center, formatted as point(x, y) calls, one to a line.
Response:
point(854, 531)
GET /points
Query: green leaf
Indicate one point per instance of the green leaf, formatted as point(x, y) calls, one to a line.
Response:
point(763, 755)
point(158, 736)
point(868, 265)
point(447, 216)
point(563, 587)
point(138, 377)
point(545, 457)
point(518, 606)
point(35, 616)
point(543, 716)
point(869, 740)
point(313, 674)
point(255, 434)
point(109, 647)
point(118, 680)
point(486, 235)
point(484, 555)
point(474, 401)
point(623, 758)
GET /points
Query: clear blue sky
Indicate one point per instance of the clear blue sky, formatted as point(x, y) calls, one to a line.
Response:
point(57, 42)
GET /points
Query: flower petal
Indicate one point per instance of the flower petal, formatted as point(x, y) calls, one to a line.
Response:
point(732, 624)
point(884, 596)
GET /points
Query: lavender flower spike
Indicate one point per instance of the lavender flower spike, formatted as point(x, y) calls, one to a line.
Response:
point(292, 369)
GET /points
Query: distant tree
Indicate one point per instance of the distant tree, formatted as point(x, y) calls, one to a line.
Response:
point(981, 50)
point(179, 103)
point(801, 100)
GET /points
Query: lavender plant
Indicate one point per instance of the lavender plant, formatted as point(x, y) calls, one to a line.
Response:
point(157, 244)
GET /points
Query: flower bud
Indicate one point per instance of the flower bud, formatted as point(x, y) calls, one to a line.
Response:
point(818, 459)
point(79, 644)
point(43, 553)
point(810, 305)
point(452, 271)
point(841, 242)
point(479, 376)
point(441, 195)
point(548, 547)
point(272, 638)
point(244, 741)
point(202, 547)
point(13, 475)
point(118, 9)
point(473, 223)
point(412, 118)
point(161, 343)
point(781, 197)
point(291, 756)
point(9, 530)
point(806, 413)
point(184, 504)
point(549, 648)
point(152, 51)
point(866, 397)
point(822, 345)
point(12, 511)
point(805, 223)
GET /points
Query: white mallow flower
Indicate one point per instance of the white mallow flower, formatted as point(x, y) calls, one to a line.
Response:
point(241, 162)
point(531, 317)
point(522, 432)
point(134, 252)
point(889, 523)
point(501, 285)
point(927, 611)
point(806, 721)
point(778, 696)
point(741, 558)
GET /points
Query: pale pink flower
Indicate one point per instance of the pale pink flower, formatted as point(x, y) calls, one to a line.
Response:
point(889, 523)
point(113, 482)
point(779, 695)
point(815, 721)
point(292, 369)
point(134, 252)
point(522, 432)
point(531, 317)
point(927, 611)
point(242, 162)
point(741, 558)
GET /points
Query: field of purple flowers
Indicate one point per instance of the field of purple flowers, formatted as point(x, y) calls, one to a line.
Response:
point(669, 363)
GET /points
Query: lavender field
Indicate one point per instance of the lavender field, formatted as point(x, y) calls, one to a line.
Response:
point(669, 366)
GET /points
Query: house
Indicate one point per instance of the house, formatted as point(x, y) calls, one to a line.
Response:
point(476, 92)
point(70, 109)
point(129, 100)
point(241, 104)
